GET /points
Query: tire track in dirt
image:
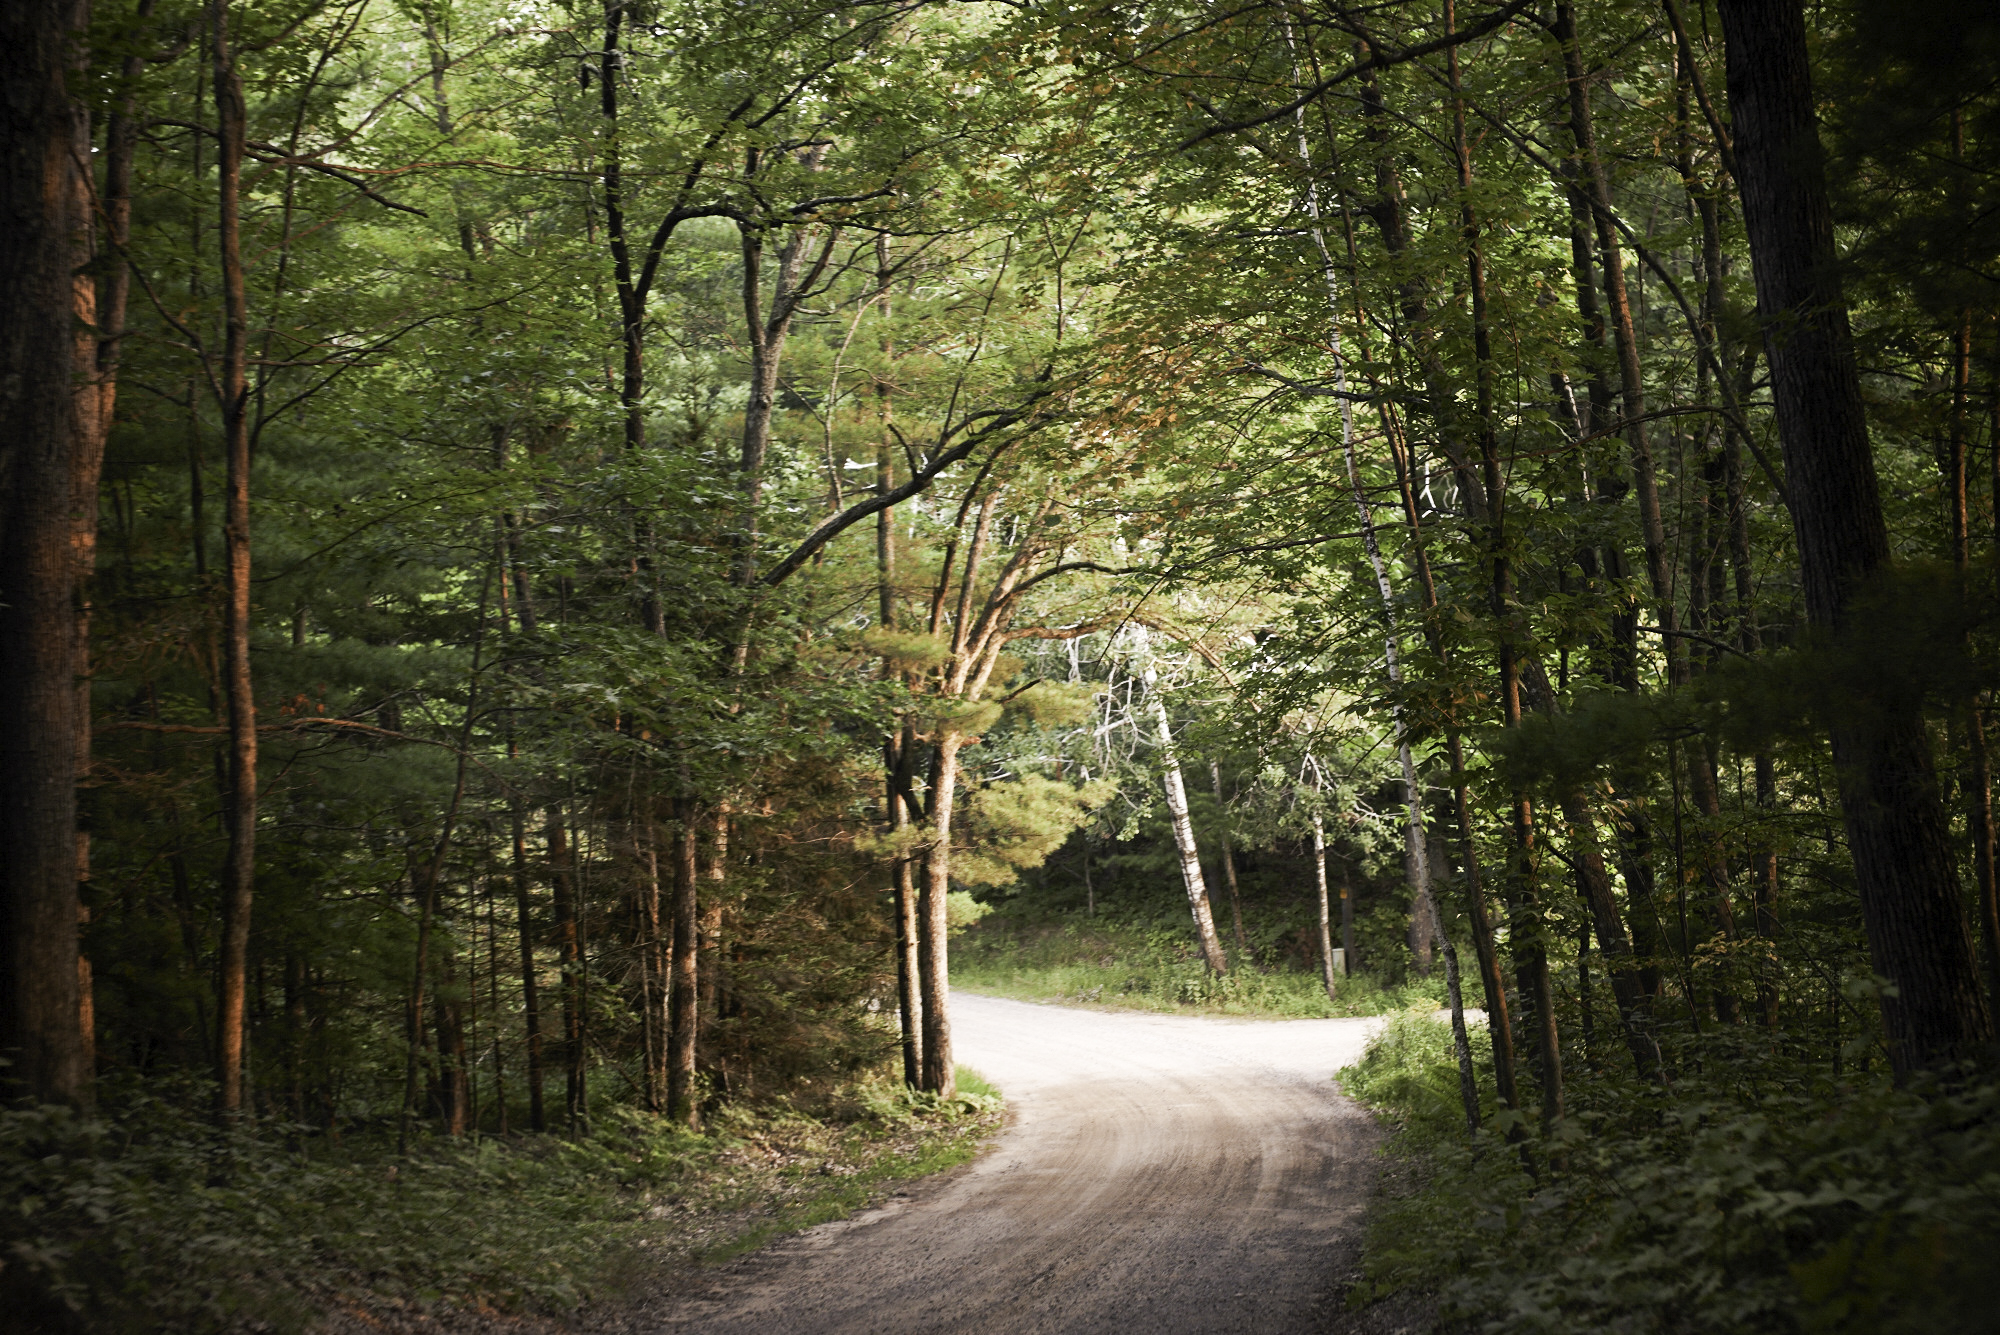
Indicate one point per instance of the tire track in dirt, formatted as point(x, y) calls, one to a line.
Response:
point(1159, 1173)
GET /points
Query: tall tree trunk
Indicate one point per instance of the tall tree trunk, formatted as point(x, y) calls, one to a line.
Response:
point(425, 886)
point(295, 1037)
point(631, 301)
point(683, 990)
point(899, 750)
point(454, 1084)
point(240, 864)
point(1325, 910)
point(493, 1004)
point(1989, 899)
point(1936, 1012)
point(44, 418)
point(1979, 764)
point(1346, 924)
point(100, 330)
point(1525, 927)
point(1183, 826)
point(933, 954)
point(1485, 951)
point(1634, 1008)
point(1427, 922)
point(424, 880)
point(1764, 854)
point(1228, 859)
point(709, 989)
point(1596, 188)
point(768, 328)
point(1608, 567)
point(531, 1009)
point(569, 956)
point(652, 970)
point(909, 1005)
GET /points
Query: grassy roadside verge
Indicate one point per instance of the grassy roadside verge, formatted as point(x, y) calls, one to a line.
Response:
point(1112, 965)
point(147, 1218)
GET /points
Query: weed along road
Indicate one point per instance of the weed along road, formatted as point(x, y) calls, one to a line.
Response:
point(1161, 1174)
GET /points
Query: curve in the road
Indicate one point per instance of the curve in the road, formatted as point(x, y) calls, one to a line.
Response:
point(1160, 1173)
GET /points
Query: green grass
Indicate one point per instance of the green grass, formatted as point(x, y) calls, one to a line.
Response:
point(1090, 964)
point(971, 1083)
point(147, 1217)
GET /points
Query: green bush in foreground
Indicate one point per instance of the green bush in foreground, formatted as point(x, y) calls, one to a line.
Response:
point(1748, 1196)
point(150, 1218)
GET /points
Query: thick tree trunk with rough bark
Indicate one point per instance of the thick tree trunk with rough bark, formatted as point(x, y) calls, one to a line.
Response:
point(44, 420)
point(1896, 827)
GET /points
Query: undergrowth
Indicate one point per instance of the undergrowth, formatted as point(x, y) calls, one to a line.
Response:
point(148, 1217)
point(1747, 1196)
point(1088, 964)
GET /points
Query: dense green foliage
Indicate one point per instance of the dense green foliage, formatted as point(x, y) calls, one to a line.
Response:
point(682, 432)
point(1755, 1195)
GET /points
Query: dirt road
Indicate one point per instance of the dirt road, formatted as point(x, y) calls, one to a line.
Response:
point(1162, 1174)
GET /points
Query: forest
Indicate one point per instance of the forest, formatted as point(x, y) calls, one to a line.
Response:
point(561, 563)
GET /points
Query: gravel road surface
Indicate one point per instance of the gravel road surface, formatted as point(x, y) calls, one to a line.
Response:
point(1160, 1174)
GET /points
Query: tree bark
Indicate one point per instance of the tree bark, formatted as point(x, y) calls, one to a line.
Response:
point(1184, 843)
point(44, 241)
point(1228, 859)
point(708, 935)
point(1979, 764)
point(1989, 899)
point(654, 950)
point(1910, 899)
point(1325, 910)
point(240, 802)
point(933, 953)
point(683, 988)
point(1485, 951)
point(767, 330)
point(1595, 185)
point(1634, 1007)
point(899, 749)
point(1531, 960)
point(1346, 925)
point(413, 1026)
point(569, 955)
point(454, 1083)
point(908, 933)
